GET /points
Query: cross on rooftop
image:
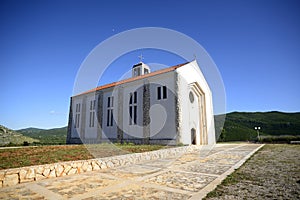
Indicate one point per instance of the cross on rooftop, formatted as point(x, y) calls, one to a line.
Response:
point(141, 57)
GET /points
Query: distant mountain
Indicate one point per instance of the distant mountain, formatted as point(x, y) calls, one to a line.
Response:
point(31, 130)
point(46, 136)
point(240, 125)
point(10, 137)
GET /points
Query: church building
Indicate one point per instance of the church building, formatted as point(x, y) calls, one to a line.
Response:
point(170, 106)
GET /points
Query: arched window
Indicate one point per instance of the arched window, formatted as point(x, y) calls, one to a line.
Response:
point(191, 96)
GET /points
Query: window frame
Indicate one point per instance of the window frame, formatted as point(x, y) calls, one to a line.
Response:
point(162, 92)
point(92, 113)
point(77, 115)
point(132, 108)
point(110, 110)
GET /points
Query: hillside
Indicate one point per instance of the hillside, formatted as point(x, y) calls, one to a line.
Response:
point(10, 137)
point(46, 136)
point(240, 125)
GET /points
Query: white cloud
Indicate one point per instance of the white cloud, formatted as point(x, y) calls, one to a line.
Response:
point(53, 112)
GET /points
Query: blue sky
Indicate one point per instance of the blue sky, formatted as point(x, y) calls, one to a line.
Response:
point(255, 44)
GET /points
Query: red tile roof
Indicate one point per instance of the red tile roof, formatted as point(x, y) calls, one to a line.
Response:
point(133, 79)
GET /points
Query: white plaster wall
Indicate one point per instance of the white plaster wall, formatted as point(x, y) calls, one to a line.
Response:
point(188, 74)
point(162, 112)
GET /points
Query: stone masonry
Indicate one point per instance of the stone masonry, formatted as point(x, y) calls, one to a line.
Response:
point(178, 173)
point(15, 176)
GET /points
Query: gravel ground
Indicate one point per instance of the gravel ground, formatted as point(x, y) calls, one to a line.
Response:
point(272, 173)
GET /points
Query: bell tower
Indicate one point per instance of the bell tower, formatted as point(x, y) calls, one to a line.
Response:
point(140, 69)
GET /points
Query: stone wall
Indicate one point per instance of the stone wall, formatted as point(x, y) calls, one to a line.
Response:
point(15, 176)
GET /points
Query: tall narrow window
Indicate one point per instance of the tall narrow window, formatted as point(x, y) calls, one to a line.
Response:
point(92, 113)
point(130, 98)
point(77, 115)
point(135, 97)
point(146, 71)
point(159, 93)
point(111, 117)
point(133, 108)
point(162, 92)
point(130, 115)
point(134, 114)
point(108, 117)
point(138, 71)
point(135, 72)
point(110, 107)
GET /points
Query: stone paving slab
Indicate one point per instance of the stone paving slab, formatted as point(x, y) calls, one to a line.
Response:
point(190, 176)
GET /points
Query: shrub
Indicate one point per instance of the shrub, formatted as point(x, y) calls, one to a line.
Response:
point(25, 143)
point(280, 139)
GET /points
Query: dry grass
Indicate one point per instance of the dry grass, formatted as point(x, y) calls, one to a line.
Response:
point(27, 156)
point(272, 173)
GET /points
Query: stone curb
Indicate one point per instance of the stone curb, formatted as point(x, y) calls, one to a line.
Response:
point(10, 177)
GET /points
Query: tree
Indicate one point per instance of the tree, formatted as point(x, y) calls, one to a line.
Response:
point(223, 135)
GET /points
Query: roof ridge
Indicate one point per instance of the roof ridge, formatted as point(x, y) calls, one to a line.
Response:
point(113, 84)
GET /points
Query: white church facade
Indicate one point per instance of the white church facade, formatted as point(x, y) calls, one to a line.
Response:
point(169, 106)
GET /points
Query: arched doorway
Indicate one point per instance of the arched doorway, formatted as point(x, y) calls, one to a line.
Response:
point(193, 136)
point(197, 112)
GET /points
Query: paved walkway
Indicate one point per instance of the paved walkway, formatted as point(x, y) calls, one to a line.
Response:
point(190, 176)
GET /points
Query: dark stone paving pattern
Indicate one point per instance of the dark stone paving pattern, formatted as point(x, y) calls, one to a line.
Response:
point(74, 185)
point(142, 193)
point(179, 178)
point(205, 168)
point(182, 180)
point(19, 192)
